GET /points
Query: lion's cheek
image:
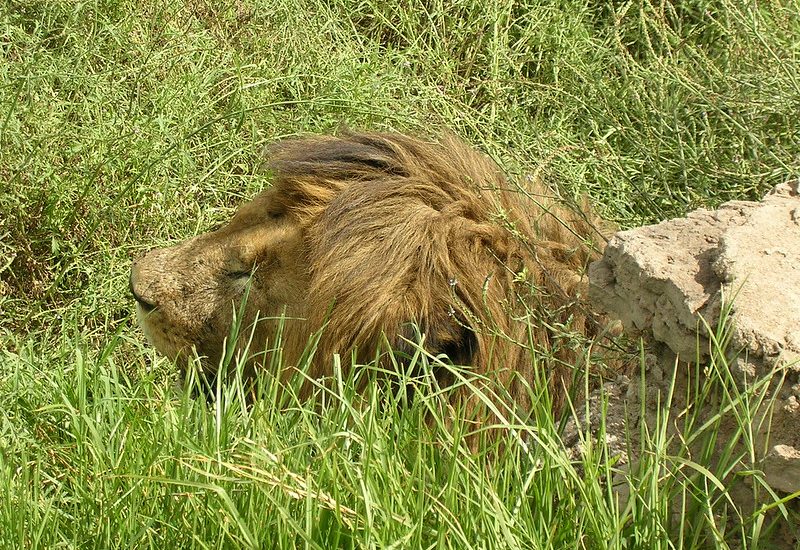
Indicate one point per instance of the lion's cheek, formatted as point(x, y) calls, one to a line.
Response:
point(289, 286)
point(169, 342)
point(198, 325)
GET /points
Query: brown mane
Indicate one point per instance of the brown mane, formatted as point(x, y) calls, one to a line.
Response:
point(442, 241)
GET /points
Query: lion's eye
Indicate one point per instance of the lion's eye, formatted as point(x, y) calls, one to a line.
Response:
point(275, 214)
point(239, 274)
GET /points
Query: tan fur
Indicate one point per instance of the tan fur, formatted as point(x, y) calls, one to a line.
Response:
point(369, 233)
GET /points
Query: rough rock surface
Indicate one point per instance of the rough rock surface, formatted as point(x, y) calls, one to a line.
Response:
point(673, 283)
point(671, 279)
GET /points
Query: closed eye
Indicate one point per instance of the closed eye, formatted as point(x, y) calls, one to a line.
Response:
point(239, 274)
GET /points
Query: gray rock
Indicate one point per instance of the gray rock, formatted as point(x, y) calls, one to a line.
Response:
point(673, 279)
point(782, 468)
point(673, 282)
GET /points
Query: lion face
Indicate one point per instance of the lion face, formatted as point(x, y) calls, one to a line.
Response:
point(187, 294)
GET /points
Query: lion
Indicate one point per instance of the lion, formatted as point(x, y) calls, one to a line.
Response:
point(365, 240)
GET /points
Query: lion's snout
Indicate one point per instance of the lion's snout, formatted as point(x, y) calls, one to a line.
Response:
point(141, 284)
point(158, 283)
point(181, 301)
point(148, 304)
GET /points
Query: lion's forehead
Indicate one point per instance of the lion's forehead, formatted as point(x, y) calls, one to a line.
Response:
point(253, 243)
point(258, 209)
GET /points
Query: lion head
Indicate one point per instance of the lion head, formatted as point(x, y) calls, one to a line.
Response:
point(363, 239)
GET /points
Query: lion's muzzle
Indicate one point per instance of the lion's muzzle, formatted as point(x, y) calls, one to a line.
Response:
point(146, 303)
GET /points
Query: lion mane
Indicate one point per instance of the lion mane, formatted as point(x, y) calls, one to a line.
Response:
point(368, 239)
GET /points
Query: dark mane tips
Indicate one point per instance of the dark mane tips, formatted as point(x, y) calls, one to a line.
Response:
point(347, 157)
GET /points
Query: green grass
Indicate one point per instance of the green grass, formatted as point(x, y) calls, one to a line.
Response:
point(127, 125)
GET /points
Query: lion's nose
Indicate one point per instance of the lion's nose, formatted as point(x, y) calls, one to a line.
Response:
point(146, 304)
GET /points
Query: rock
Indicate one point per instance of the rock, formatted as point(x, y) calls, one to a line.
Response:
point(782, 468)
point(759, 266)
point(674, 279)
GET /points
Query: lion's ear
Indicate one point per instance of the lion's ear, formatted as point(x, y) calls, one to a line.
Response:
point(447, 335)
point(455, 340)
point(451, 336)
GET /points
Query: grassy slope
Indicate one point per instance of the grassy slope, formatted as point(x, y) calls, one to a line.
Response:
point(125, 125)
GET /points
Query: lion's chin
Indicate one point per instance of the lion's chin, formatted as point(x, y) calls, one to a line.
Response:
point(176, 349)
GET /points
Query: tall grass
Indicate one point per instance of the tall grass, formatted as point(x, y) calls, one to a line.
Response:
point(126, 125)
